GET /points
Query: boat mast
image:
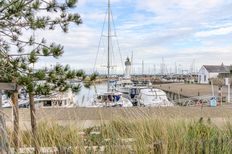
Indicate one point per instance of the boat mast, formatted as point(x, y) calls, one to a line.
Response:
point(108, 53)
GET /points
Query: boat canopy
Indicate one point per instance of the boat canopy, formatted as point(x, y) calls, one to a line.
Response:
point(124, 82)
point(152, 92)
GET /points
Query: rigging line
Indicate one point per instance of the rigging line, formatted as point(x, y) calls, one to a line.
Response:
point(104, 50)
point(120, 54)
point(98, 48)
point(112, 55)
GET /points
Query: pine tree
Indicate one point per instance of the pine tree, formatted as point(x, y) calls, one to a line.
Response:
point(18, 55)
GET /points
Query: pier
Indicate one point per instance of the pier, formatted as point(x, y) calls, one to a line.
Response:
point(177, 91)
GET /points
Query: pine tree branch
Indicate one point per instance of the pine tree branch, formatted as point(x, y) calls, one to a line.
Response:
point(27, 54)
point(4, 17)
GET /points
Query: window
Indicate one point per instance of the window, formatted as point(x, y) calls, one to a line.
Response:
point(47, 103)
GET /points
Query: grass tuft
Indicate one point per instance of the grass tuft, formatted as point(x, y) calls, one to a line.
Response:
point(146, 135)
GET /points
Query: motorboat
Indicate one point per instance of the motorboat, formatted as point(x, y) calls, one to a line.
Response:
point(153, 97)
point(111, 99)
point(56, 99)
point(124, 86)
point(134, 93)
point(64, 99)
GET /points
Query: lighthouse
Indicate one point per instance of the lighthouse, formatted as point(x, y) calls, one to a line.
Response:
point(127, 68)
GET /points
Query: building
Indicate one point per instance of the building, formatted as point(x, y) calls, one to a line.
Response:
point(212, 71)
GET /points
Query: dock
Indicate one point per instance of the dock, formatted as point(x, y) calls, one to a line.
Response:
point(177, 91)
point(191, 90)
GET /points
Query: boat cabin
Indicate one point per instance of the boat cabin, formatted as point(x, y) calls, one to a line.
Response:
point(55, 100)
point(109, 97)
point(47, 102)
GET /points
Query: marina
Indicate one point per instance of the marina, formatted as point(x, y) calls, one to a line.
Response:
point(115, 76)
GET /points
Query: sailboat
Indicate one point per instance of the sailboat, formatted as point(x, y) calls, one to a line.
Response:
point(110, 98)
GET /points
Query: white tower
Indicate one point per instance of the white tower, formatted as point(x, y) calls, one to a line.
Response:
point(127, 68)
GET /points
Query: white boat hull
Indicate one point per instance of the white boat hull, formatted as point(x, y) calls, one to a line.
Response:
point(153, 98)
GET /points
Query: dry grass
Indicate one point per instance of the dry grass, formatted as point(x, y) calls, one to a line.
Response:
point(147, 135)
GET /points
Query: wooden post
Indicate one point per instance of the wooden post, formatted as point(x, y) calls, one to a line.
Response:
point(15, 106)
point(157, 147)
point(220, 94)
point(0, 98)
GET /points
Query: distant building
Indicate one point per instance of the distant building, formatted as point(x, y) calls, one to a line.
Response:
point(212, 71)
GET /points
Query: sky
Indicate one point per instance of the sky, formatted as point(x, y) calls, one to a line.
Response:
point(183, 34)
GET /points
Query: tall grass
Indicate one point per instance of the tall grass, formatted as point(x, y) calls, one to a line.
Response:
point(136, 136)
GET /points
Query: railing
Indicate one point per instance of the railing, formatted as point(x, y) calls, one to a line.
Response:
point(193, 101)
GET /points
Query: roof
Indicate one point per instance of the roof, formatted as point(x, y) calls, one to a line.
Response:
point(217, 68)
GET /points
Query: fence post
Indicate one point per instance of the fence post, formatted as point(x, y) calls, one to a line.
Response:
point(157, 147)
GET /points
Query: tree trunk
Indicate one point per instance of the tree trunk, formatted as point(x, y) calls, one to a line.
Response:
point(4, 143)
point(33, 123)
point(0, 98)
point(15, 106)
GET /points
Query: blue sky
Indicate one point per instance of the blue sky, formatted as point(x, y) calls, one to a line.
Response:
point(180, 31)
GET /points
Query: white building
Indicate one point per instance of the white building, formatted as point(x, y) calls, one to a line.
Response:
point(211, 71)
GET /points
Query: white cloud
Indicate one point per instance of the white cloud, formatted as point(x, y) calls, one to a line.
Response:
point(218, 31)
point(178, 30)
point(179, 11)
point(97, 16)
